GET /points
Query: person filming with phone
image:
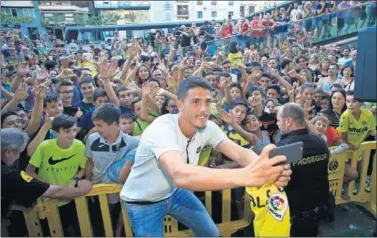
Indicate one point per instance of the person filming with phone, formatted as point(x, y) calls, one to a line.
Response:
point(308, 189)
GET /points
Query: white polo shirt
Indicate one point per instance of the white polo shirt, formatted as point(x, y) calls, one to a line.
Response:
point(148, 181)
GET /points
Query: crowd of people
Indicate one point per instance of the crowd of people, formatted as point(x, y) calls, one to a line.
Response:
point(72, 117)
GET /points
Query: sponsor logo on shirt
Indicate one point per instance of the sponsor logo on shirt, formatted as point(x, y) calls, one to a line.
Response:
point(53, 162)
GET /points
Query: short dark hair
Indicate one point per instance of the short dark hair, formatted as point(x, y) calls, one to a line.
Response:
point(275, 87)
point(252, 89)
point(217, 69)
point(240, 101)
point(236, 85)
point(121, 88)
point(154, 80)
point(7, 114)
point(294, 111)
point(302, 57)
point(108, 113)
point(192, 82)
point(227, 75)
point(50, 97)
point(134, 101)
point(65, 82)
point(325, 96)
point(225, 62)
point(285, 62)
point(335, 64)
point(99, 93)
point(86, 79)
point(126, 115)
point(63, 121)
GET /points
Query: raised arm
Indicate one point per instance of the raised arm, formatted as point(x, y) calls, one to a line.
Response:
point(108, 72)
point(36, 115)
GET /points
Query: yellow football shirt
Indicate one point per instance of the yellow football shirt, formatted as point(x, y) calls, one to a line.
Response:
point(357, 130)
point(270, 206)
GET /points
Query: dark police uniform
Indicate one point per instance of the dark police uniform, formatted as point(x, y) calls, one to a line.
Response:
point(19, 187)
point(308, 188)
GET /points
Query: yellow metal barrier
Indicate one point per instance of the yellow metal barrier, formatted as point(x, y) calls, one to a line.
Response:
point(336, 174)
point(49, 210)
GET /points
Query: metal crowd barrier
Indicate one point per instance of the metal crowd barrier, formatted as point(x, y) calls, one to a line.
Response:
point(48, 209)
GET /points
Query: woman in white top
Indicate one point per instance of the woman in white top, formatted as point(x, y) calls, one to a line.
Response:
point(348, 78)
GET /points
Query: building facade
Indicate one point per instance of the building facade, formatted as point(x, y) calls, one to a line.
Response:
point(23, 15)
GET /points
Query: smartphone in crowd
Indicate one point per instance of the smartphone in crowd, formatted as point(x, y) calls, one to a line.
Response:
point(293, 152)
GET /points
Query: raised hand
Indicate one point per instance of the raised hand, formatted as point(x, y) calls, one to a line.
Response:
point(40, 91)
point(292, 73)
point(79, 113)
point(184, 64)
point(108, 71)
point(224, 82)
point(21, 93)
point(227, 117)
point(64, 63)
point(23, 69)
point(146, 90)
point(262, 171)
point(133, 50)
point(42, 75)
point(274, 73)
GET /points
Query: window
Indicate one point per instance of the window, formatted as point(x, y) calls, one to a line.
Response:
point(200, 14)
point(199, 3)
point(242, 10)
point(14, 12)
point(213, 3)
point(230, 3)
point(182, 10)
point(230, 14)
point(251, 9)
point(213, 14)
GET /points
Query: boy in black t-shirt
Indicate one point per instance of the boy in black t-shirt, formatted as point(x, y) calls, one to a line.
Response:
point(86, 85)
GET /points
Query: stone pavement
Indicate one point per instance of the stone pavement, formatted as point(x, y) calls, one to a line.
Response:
point(350, 221)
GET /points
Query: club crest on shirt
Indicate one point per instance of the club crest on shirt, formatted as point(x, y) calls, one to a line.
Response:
point(277, 206)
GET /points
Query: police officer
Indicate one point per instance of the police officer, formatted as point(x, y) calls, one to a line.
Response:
point(19, 187)
point(308, 188)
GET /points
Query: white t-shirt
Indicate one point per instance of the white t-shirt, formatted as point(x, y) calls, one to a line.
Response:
point(148, 181)
point(294, 14)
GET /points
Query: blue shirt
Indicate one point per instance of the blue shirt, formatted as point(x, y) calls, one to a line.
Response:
point(86, 121)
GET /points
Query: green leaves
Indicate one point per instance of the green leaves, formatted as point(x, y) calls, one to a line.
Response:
point(9, 19)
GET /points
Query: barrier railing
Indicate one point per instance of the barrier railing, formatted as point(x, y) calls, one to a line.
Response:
point(48, 209)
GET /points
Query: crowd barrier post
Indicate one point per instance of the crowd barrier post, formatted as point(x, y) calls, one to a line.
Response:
point(336, 174)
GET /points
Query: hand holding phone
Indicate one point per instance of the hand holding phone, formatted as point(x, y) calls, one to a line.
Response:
point(293, 152)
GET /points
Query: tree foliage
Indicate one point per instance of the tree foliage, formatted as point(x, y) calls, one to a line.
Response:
point(9, 19)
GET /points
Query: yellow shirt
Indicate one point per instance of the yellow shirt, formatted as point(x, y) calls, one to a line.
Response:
point(235, 59)
point(90, 65)
point(357, 130)
point(270, 206)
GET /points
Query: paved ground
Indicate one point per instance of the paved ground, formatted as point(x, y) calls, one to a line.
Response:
point(350, 221)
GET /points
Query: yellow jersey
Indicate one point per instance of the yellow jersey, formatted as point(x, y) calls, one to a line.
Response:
point(270, 206)
point(357, 130)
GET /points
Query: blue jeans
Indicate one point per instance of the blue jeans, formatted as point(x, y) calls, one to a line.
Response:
point(183, 205)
